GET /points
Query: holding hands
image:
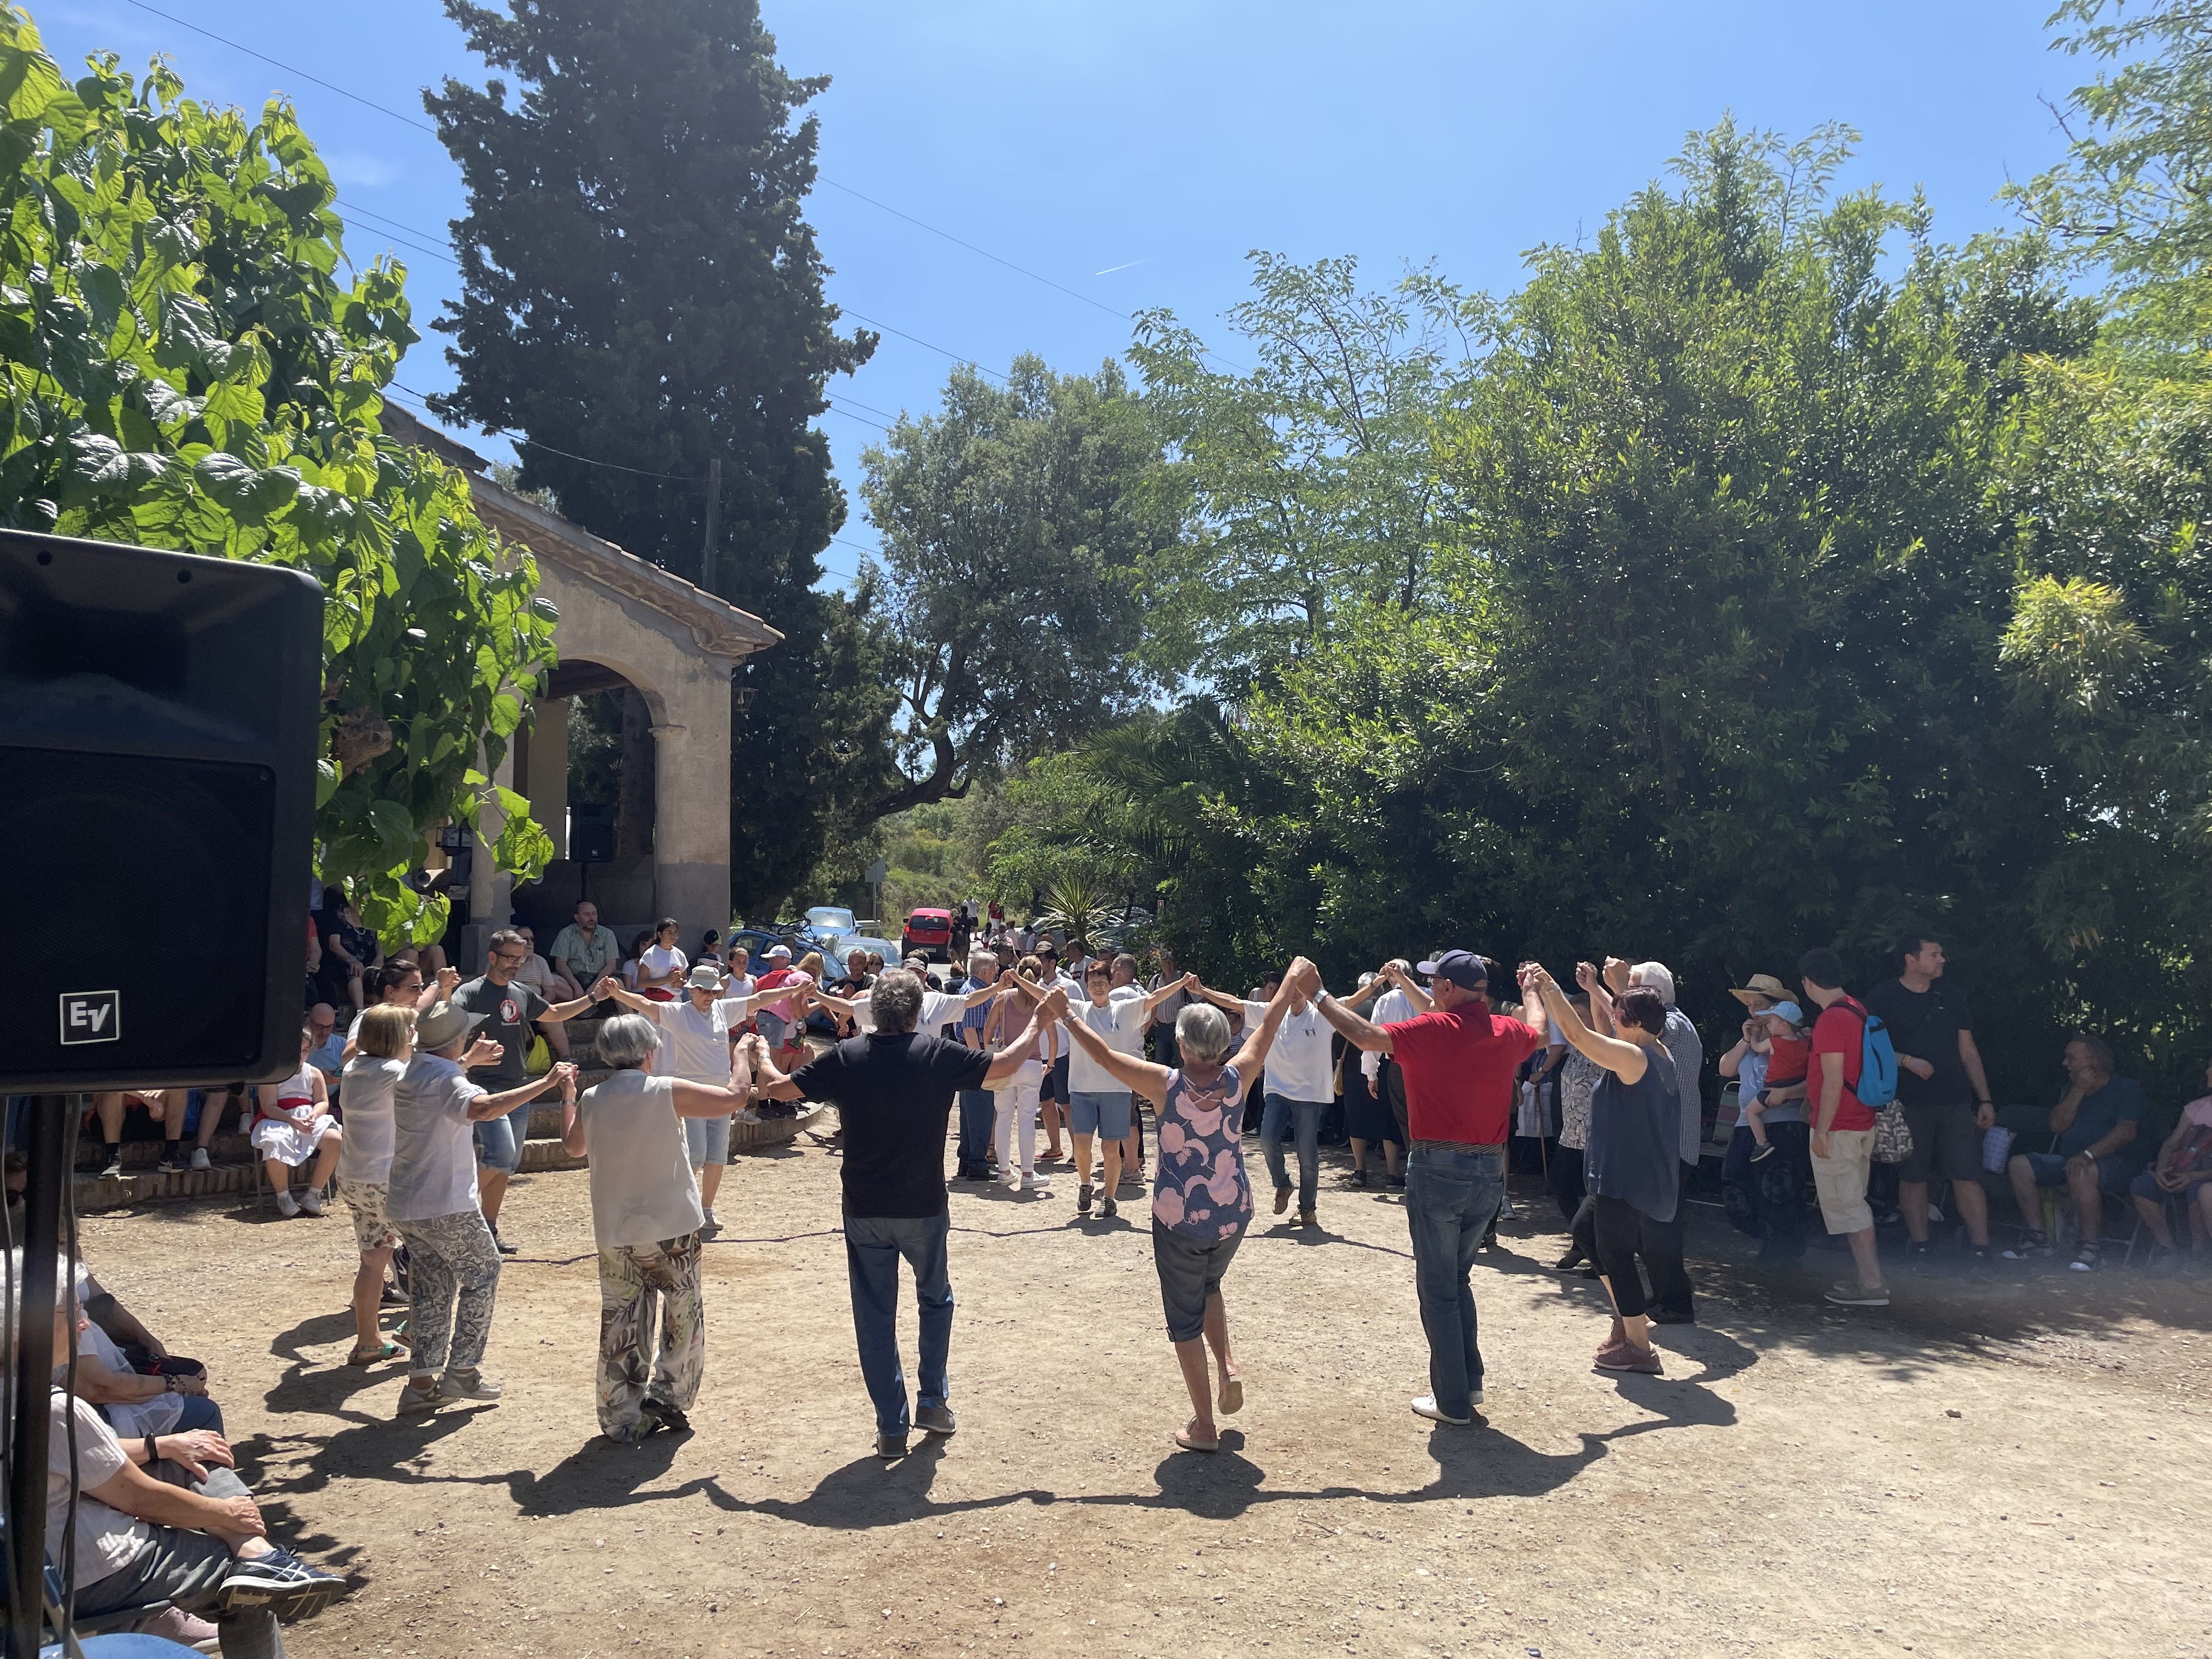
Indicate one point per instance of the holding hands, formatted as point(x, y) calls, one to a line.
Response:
point(482, 1052)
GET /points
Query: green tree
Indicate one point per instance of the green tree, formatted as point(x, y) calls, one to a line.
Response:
point(183, 369)
point(2130, 202)
point(1014, 524)
point(1312, 474)
point(640, 287)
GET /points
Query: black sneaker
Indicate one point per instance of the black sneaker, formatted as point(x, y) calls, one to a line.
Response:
point(174, 1161)
point(505, 1248)
point(1765, 1150)
point(1082, 1197)
point(282, 1583)
point(2033, 1247)
point(114, 1164)
point(1981, 1263)
point(1356, 1178)
point(1395, 1184)
point(889, 1446)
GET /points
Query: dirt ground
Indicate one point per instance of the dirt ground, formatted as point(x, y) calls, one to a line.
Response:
point(1978, 1469)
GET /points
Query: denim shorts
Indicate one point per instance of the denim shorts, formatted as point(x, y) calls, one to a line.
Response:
point(1100, 1112)
point(1189, 1273)
point(2113, 1174)
point(2146, 1186)
point(706, 1139)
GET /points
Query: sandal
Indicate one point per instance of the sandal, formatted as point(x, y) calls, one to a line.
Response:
point(375, 1356)
point(1232, 1396)
point(1188, 1442)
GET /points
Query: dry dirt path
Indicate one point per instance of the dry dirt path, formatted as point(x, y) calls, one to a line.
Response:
point(2011, 1469)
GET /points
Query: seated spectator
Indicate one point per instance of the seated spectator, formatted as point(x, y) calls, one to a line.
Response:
point(134, 1382)
point(583, 951)
point(710, 948)
point(2095, 1121)
point(349, 950)
point(638, 946)
point(326, 1053)
point(856, 978)
point(293, 1123)
point(164, 1517)
point(111, 1110)
point(2182, 1170)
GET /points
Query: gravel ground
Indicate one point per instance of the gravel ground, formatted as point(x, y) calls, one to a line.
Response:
point(1979, 1468)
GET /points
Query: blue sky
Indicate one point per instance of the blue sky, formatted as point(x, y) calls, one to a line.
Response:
point(1073, 137)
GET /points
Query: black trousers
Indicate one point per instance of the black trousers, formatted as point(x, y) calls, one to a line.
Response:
point(1660, 1244)
point(1615, 1234)
point(1567, 1182)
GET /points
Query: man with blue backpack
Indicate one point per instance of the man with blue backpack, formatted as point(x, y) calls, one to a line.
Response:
point(1853, 1075)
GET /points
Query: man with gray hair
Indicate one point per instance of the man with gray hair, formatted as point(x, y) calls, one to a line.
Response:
point(893, 1088)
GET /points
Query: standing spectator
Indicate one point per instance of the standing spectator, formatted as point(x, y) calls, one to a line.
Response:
point(648, 1221)
point(893, 1089)
point(1765, 1200)
point(1842, 1126)
point(431, 1198)
point(661, 966)
point(1132, 1144)
point(773, 1021)
point(509, 1009)
point(1202, 1204)
point(1053, 1089)
point(538, 974)
point(1458, 1059)
point(1673, 1303)
point(1370, 1122)
point(1301, 1067)
point(1945, 1095)
point(585, 952)
point(1393, 1006)
point(1168, 979)
point(1015, 1098)
point(2096, 1121)
point(386, 1043)
point(975, 1161)
point(399, 984)
point(1633, 1165)
point(1578, 1080)
point(2182, 1170)
point(293, 1123)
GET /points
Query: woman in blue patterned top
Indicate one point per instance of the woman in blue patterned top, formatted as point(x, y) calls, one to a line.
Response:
point(1202, 1202)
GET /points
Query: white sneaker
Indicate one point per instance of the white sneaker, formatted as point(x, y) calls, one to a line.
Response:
point(287, 1206)
point(312, 1201)
point(200, 1158)
point(468, 1385)
point(1427, 1406)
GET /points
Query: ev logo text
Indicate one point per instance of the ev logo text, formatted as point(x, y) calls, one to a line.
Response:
point(92, 1017)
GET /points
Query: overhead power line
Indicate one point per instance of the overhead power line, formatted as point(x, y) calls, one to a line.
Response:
point(289, 69)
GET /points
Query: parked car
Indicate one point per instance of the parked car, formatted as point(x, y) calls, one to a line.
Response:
point(930, 932)
point(756, 941)
point(832, 921)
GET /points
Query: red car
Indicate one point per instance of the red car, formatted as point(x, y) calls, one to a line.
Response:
point(929, 932)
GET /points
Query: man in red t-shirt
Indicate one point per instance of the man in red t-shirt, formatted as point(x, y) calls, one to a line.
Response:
point(1458, 1059)
point(1843, 1125)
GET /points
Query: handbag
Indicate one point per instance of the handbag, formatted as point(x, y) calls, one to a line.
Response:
point(537, 1059)
point(1893, 1135)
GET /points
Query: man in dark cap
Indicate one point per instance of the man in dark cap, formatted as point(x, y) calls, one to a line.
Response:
point(1458, 1059)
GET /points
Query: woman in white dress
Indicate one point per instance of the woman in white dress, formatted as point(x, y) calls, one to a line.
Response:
point(293, 1123)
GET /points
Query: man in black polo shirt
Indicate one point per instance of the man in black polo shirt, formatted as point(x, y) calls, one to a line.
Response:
point(1945, 1097)
point(893, 1088)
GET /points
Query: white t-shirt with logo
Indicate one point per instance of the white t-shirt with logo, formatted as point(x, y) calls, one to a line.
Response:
point(1121, 1025)
point(1299, 1064)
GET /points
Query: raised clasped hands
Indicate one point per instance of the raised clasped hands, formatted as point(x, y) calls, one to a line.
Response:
point(1302, 978)
point(1586, 975)
point(604, 987)
point(1054, 1006)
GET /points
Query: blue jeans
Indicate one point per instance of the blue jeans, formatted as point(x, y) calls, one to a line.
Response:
point(873, 1245)
point(976, 1111)
point(1274, 1125)
point(1451, 1199)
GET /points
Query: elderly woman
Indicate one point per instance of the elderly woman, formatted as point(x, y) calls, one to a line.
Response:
point(645, 1216)
point(1632, 1163)
point(1202, 1202)
point(695, 1046)
point(385, 1043)
point(430, 1198)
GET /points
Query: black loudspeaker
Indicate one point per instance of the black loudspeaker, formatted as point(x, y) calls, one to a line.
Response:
point(590, 834)
point(158, 720)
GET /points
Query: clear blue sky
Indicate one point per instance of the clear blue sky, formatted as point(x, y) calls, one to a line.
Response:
point(1171, 136)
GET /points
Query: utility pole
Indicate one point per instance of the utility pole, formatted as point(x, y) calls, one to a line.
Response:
point(714, 523)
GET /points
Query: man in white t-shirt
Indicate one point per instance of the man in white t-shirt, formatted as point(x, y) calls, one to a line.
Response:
point(1096, 1105)
point(1301, 1081)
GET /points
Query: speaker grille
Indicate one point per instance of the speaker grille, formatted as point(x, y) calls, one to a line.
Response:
point(147, 878)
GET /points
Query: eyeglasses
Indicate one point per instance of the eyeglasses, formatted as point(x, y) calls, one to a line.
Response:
point(512, 958)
